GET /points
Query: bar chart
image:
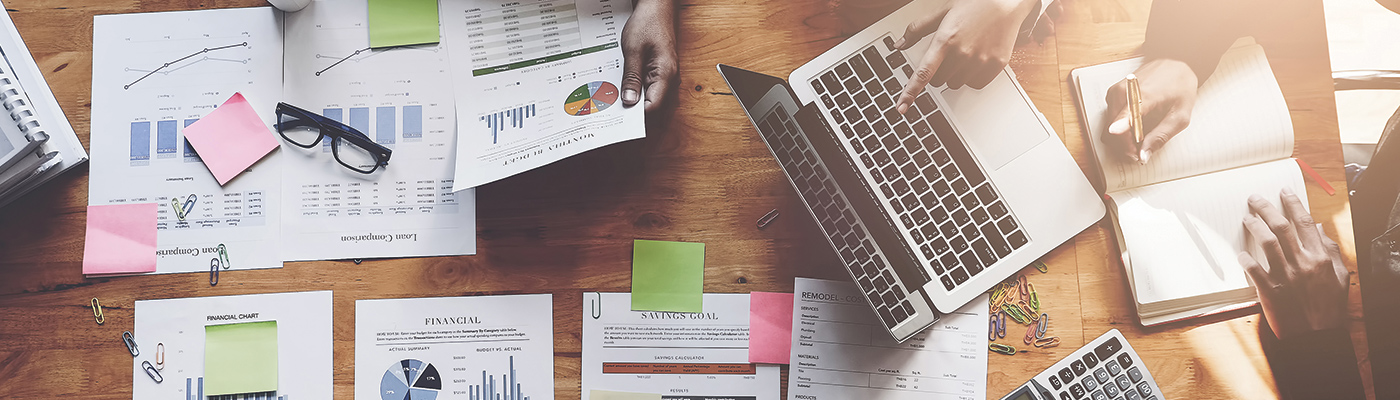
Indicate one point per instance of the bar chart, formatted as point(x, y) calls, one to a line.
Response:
point(170, 142)
point(508, 388)
point(392, 124)
point(194, 390)
point(516, 116)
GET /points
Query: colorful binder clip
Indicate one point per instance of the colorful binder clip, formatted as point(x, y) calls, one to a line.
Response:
point(130, 342)
point(97, 311)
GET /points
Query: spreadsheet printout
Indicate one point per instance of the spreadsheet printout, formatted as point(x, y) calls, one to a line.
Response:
point(537, 81)
point(840, 351)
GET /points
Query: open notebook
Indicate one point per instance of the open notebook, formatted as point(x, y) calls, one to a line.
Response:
point(1179, 218)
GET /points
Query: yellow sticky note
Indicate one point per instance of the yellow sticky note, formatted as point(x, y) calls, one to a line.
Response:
point(240, 358)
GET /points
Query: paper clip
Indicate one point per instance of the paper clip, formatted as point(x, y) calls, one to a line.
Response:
point(597, 306)
point(1030, 334)
point(1015, 313)
point(1040, 266)
point(189, 203)
point(223, 256)
point(1001, 348)
point(152, 372)
point(130, 344)
point(97, 311)
point(160, 356)
point(1048, 342)
point(992, 329)
point(1035, 300)
point(213, 272)
point(179, 212)
point(1001, 325)
point(1031, 315)
point(1042, 325)
point(767, 219)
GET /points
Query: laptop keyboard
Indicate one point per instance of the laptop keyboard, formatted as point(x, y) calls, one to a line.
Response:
point(925, 173)
point(837, 218)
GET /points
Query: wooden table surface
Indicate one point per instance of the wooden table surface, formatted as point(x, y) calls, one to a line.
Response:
point(705, 176)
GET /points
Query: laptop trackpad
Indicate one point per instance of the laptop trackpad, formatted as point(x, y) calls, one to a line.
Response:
point(996, 121)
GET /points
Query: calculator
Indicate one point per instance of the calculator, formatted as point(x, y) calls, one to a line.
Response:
point(1106, 368)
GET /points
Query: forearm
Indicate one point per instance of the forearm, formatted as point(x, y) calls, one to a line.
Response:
point(1198, 32)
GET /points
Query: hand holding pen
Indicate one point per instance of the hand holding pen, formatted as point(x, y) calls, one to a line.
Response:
point(1166, 93)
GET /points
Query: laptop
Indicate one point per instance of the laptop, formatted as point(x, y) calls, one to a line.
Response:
point(925, 210)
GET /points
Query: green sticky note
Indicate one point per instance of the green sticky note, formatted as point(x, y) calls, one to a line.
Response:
point(667, 276)
point(596, 394)
point(240, 358)
point(402, 22)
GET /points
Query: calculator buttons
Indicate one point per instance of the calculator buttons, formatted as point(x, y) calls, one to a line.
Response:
point(1098, 396)
point(1055, 382)
point(1125, 360)
point(1144, 388)
point(1066, 375)
point(1078, 367)
point(1123, 383)
point(1077, 391)
point(1113, 368)
point(1090, 360)
point(1134, 374)
point(1109, 347)
point(1101, 375)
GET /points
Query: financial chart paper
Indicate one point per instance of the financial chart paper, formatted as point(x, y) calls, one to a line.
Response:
point(536, 81)
point(840, 351)
point(155, 74)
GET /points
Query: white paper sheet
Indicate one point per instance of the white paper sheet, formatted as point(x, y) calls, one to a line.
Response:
point(840, 351)
point(303, 342)
point(488, 347)
point(677, 355)
point(402, 99)
point(154, 74)
point(537, 81)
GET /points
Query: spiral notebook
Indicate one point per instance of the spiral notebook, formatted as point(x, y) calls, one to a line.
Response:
point(40, 144)
point(1178, 218)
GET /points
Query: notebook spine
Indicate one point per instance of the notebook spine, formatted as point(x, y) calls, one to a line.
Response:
point(17, 105)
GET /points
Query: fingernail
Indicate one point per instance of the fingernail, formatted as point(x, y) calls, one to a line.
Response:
point(902, 108)
point(899, 44)
point(1118, 127)
point(1256, 198)
point(1144, 156)
point(629, 96)
point(1288, 191)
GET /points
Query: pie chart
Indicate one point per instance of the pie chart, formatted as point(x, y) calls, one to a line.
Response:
point(410, 380)
point(591, 98)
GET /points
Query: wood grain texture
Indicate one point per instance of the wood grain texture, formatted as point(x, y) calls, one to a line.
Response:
point(703, 175)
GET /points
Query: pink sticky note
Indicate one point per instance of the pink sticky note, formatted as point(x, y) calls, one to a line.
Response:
point(121, 239)
point(231, 138)
point(770, 327)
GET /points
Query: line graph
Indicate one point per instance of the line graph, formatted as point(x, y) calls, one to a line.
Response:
point(162, 69)
point(355, 56)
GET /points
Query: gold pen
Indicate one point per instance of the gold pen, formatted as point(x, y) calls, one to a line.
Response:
point(1135, 108)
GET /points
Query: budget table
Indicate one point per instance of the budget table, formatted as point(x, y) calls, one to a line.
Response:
point(703, 175)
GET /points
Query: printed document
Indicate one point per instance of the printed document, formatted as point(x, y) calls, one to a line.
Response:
point(840, 351)
point(536, 81)
point(455, 348)
point(154, 74)
point(402, 99)
point(680, 356)
point(176, 328)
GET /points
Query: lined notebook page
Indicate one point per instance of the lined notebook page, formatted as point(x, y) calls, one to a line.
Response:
point(1184, 235)
point(1240, 118)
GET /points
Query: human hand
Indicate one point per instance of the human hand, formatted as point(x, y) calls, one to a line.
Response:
point(1168, 90)
point(1305, 288)
point(649, 54)
point(972, 42)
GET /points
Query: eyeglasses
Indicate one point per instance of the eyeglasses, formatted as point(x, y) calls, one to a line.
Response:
point(351, 148)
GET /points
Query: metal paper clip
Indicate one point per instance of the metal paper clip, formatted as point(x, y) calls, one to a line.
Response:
point(1048, 342)
point(97, 311)
point(992, 329)
point(767, 219)
point(213, 272)
point(179, 212)
point(1030, 334)
point(1030, 314)
point(1001, 325)
point(597, 306)
point(130, 344)
point(189, 203)
point(152, 372)
point(160, 356)
point(1040, 266)
point(1035, 300)
point(1042, 325)
point(223, 256)
point(1015, 313)
point(1001, 348)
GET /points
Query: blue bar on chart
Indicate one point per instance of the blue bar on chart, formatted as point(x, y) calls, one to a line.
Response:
point(488, 390)
point(412, 122)
point(190, 154)
point(359, 119)
point(191, 391)
point(166, 138)
point(384, 125)
point(140, 141)
point(496, 121)
point(337, 114)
